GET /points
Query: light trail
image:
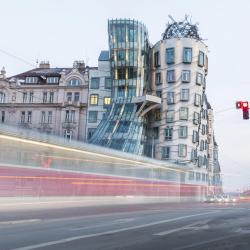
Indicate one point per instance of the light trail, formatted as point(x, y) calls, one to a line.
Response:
point(7, 137)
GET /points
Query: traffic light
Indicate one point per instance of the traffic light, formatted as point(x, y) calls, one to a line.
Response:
point(245, 108)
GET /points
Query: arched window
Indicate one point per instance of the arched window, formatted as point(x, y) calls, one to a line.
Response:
point(74, 82)
point(2, 97)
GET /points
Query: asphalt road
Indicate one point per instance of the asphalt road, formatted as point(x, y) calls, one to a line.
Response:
point(146, 226)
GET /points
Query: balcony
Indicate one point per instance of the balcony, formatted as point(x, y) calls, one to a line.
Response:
point(74, 104)
point(69, 125)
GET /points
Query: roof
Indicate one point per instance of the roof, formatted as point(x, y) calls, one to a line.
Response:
point(104, 56)
point(47, 72)
point(183, 29)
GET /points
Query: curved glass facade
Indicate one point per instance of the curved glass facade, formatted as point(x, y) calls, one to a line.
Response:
point(122, 128)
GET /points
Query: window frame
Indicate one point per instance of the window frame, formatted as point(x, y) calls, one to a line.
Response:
point(186, 72)
point(185, 58)
point(92, 98)
point(170, 60)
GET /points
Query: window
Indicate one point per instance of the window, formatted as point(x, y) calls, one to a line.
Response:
point(120, 55)
point(170, 116)
point(158, 93)
point(183, 112)
point(72, 116)
point(184, 95)
point(52, 80)
point(31, 80)
point(200, 162)
point(205, 161)
point(198, 176)
point(93, 116)
point(76, 97)
point(23, 117)
point(203, 129)
point(157, 59)
point(25, 97)
point(67, 116)
point(183, 132)
point(182, 150)
point(194, 154)
point(95, 82)
point(108, 83)
point(168, 133)
point(165, 153)
point(157, 115)
point(45, 97)
point(202, 145)
point(185, 75)
point(121, 92)
point(197, 100)
point(196, 119)
point(106, 101)
point(191, 176)
point(170, 97)
point(123, 126)
point(201, 60)
point(94, 99)
point(51, 97)
point(91, 131)
point(203, 176)
point(74, 82)
point(50, 117)
point(3, 117)
point(121, 74)
point(43, 117)
point(2, 97)
point(199, 79)
point(170, 56)
point(69, 97)
point(187, 55)
point(156, 132)
point(170, 76)
point(195, 136)
point(131, 91)
point(31, 97)
point(158, 78)
point(29, 120)
point(206, 145)
point(68, 134)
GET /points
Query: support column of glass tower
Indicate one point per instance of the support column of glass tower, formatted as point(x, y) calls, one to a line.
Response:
point(122, 128)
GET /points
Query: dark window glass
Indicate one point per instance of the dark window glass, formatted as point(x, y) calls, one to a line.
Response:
point(170, 56)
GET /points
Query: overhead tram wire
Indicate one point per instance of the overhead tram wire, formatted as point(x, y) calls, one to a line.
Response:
point(17, 57)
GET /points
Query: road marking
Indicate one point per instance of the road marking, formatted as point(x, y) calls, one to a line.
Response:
point(194, 226)
point(14, 222)
point(119, 221)
point(50, 243)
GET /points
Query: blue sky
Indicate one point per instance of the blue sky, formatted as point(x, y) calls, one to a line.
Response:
point(62, 31)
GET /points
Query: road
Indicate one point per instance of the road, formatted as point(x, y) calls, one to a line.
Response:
point(190, 226)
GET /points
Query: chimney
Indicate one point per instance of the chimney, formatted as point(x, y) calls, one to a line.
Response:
point(44, 65)
point(79, 65)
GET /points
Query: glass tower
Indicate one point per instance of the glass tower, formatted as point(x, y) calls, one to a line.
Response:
point(122, 127)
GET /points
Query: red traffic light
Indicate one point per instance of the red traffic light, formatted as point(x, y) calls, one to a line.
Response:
point(238, 105)
point(244, 105)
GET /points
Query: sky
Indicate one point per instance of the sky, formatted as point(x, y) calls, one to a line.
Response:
point(62, 31)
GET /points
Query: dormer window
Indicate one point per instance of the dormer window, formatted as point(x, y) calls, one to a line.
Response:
point(31, 79)
point(74, 82)
point(52, 80)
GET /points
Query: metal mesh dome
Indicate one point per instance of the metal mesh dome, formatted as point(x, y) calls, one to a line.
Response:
point(183, 29)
